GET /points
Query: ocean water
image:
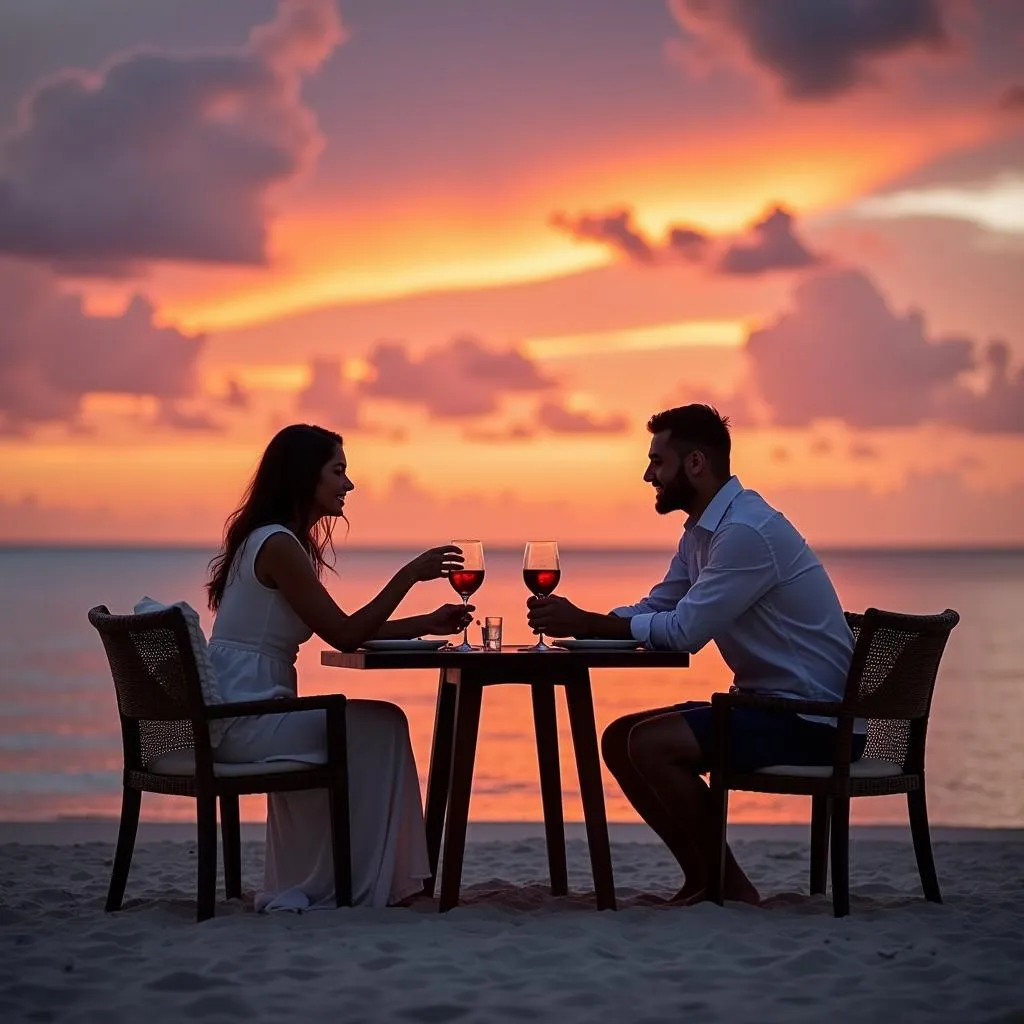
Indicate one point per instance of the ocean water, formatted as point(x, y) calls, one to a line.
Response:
point(60, 748)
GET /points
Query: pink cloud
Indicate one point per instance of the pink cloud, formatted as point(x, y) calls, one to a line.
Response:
point(52, 353)
point(460, 379)
point(842, 353)
point(174, 415)
point(999, 406)
point(328, 394)
point(560, 420)
point(163, 155)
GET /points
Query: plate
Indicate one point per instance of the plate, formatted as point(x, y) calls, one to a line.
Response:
point(598, 645)
point(404, 645)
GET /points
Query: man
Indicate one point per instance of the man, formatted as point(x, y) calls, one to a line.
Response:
point(744, 577)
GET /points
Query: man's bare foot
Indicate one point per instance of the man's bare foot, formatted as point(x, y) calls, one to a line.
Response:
point(690, 897)
point(687, 893)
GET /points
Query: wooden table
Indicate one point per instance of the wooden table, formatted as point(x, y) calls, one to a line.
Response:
point(457, 722)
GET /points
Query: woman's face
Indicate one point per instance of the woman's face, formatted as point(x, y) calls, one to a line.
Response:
point(333, 486)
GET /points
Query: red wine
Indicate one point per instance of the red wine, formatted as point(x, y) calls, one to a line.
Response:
point(541, 582)
point(466, 581)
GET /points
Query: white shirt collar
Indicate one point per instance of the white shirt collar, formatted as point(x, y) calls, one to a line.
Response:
point(711, 517)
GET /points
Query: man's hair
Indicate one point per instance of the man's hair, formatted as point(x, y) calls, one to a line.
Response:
point(698, 427)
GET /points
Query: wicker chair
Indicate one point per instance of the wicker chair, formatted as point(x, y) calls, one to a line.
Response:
point(165, 729)
point(890, 683)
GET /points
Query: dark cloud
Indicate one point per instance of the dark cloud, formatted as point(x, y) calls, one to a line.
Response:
point(163, 155)
point(771, 244)
point(506, 435)
point(774, 247)
point(1012, 98)
point(328, 394)
point(560, 420)
point(689, 243)
point(816, 49)
point(236, 396)
point(52, 353)
point(614, 228)
point(842, 353)
point(861, 450)
point(460, 379)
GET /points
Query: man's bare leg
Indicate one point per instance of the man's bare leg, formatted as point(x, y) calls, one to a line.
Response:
point(666, 825)
point(666, 821)
point(666, 755)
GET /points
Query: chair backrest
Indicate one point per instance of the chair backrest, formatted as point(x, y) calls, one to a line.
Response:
point(156, 682)
point(892, 678)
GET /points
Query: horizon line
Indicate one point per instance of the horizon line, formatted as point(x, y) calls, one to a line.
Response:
point(7, 546)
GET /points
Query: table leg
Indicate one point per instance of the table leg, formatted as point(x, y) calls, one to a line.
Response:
point(588, 764)
point(467, 724)
point(545, 725)
point(439, 775)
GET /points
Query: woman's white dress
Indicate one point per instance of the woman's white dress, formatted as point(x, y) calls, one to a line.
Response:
point(255, 640)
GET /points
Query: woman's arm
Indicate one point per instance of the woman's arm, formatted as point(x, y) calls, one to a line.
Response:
point(443, 621)
point(402, 629)
point(283, 564)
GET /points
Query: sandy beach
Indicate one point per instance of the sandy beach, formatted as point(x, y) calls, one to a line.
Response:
point(512, 952)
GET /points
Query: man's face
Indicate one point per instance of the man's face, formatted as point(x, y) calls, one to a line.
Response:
point(667, 474)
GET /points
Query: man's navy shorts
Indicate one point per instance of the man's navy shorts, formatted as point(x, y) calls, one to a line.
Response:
point(760, 738)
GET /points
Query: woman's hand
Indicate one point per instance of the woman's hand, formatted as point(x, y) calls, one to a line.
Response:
point(433, 564)
point(448, 619)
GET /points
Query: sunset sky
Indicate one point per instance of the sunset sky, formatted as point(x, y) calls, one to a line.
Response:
point(486, 239)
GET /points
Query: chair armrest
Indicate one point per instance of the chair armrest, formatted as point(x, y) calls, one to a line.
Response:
point(762, 702)
point(277, 706)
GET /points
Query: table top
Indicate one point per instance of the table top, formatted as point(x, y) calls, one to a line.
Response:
point(508, 658)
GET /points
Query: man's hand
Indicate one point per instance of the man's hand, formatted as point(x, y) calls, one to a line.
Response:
point(555, 616)
point(448, 619)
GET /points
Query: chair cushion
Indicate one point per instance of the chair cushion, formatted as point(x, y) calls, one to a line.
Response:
point(207, 677)
point(183, 762)
point(865, 768)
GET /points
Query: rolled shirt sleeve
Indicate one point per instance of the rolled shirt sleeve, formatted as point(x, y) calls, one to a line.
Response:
point(740, 569)
point(664, 595)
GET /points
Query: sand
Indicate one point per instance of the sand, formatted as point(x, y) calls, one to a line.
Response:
point(512, 952)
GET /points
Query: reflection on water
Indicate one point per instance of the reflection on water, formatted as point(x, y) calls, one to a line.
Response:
point(60, 747)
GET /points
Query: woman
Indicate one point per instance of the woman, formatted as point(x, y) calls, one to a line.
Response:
point(265, 589)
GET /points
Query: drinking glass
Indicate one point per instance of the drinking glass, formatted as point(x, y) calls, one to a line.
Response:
point(466, 581)
point(541, 574)
point(491, 633)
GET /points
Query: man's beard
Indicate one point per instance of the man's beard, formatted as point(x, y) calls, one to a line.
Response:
point(678, 496)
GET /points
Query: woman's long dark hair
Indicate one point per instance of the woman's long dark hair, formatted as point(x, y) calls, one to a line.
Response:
point(281, 491)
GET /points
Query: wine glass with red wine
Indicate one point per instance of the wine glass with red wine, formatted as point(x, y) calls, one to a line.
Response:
point(466, 580)
point(541, 574)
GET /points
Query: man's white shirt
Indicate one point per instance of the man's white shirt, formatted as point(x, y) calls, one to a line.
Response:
point(744, 577)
